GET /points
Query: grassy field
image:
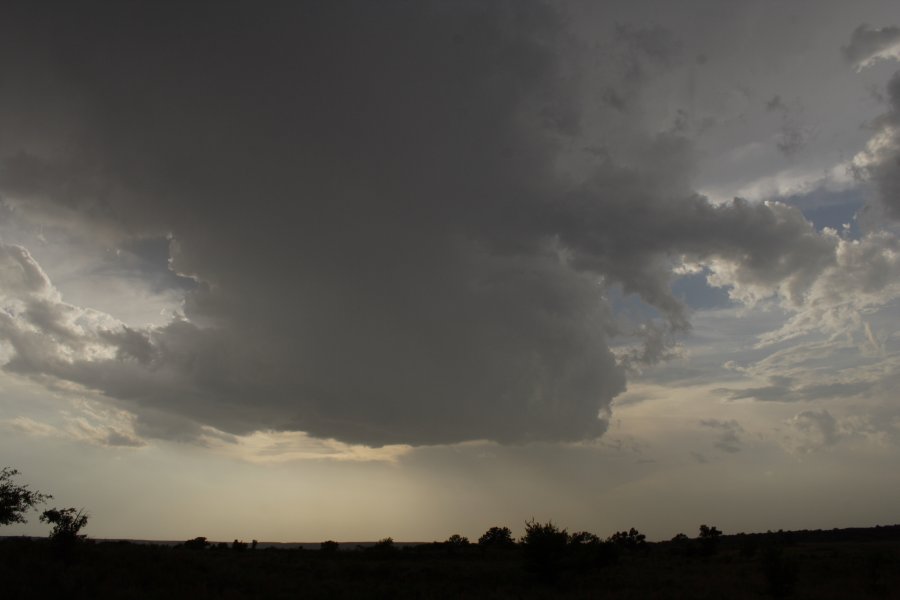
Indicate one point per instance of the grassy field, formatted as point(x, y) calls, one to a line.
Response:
point(795, 565)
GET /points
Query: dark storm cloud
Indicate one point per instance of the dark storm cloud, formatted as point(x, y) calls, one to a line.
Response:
point(367, 197)
point(882, 164)
point(355, 187)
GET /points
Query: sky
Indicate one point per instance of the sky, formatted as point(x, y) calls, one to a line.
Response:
point(350, 270)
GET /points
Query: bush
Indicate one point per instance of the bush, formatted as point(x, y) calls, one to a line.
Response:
point(67, 522)
point(709, 540)
point(496, 537)
point(329, 546)
point(629, 540)
point(198, 543)
point(545, 547)
point(457, 541)
point(583, 538)
point(589, 551)
point(384, 546)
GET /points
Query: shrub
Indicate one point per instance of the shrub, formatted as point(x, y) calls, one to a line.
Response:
point(582, 538)
point(709, 539)
point(629, 540)
point(198, 543)
point(384, 545)
point(545, 547)
point(329, 546)
point(457, 541)
point(67, 522)
point(589, 551)
point(496, 537)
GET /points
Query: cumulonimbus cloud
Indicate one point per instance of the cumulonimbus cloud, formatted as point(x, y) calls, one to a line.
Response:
point(369, 202)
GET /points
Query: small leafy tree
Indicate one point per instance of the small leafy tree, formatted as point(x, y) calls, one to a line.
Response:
point(630, 540)
point(67, 522)
point(457, 541)
point(15, 499)
point(384, 546)
point(709, 539)
point(583, 538)
point(197, 543)
point(707, 532)
point(544, 534)
point(545, 547)
point(496, 537)
point(590, 552)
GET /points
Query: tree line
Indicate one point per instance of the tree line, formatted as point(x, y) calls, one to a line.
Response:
point(545, 544)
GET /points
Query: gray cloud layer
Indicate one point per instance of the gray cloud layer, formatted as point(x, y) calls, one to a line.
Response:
point(882, 161)
point(867, 42)
point(369, 199)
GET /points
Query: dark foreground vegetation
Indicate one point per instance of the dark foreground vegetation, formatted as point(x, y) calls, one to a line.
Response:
point(547, 563)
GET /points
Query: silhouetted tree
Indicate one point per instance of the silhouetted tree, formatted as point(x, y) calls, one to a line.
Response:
point(239, 546)
point(253, 545)
point(630, 540)
point(496, 537)
point(329, 546)
point(545, 548)
point(384, 545)
point(583, 538)
point(457, 540)
point(67, 522)
point(16, 500)
point(198, 543)
point(709, 539)
point(707, 532)
point(589, 551)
